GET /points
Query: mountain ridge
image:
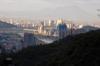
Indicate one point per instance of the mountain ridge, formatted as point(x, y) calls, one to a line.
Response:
point(6, 25)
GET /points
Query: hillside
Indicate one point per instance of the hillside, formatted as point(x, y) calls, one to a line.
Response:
point(6, 25)
point(78, 50)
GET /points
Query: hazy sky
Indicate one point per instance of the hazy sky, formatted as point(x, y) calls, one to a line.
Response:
point(75, 9)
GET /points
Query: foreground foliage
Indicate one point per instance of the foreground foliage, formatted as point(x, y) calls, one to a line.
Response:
point(78, 50)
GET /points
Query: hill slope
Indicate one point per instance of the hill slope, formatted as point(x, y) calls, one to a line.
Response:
point(6, 25)
point(78, 50)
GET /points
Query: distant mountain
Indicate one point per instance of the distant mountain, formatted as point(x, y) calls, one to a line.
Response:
point(67, 12)
point(90, 28)
point(85, 29)
point(6, 25)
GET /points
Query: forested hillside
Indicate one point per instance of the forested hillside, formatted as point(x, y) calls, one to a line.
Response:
point(77, 50)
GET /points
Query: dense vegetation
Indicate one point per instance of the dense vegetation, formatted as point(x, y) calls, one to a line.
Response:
point(78, 50)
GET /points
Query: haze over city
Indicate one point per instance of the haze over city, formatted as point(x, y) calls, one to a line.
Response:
point(49, 32)
point(82, 10)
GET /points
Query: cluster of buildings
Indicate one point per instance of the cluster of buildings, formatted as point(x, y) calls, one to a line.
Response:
point(45, 27)
point(19, 22)
point(10, 42)
point(58, 27)
point(29, 23)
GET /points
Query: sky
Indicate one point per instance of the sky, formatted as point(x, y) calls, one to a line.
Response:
point(67, 9)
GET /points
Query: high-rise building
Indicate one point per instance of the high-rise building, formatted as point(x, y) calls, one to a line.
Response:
point(62, 28)
point(29, 39)
point(59, 21)
point(51, 23)
point(41, 28)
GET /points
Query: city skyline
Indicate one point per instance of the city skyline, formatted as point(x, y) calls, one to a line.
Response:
point(85, 10)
